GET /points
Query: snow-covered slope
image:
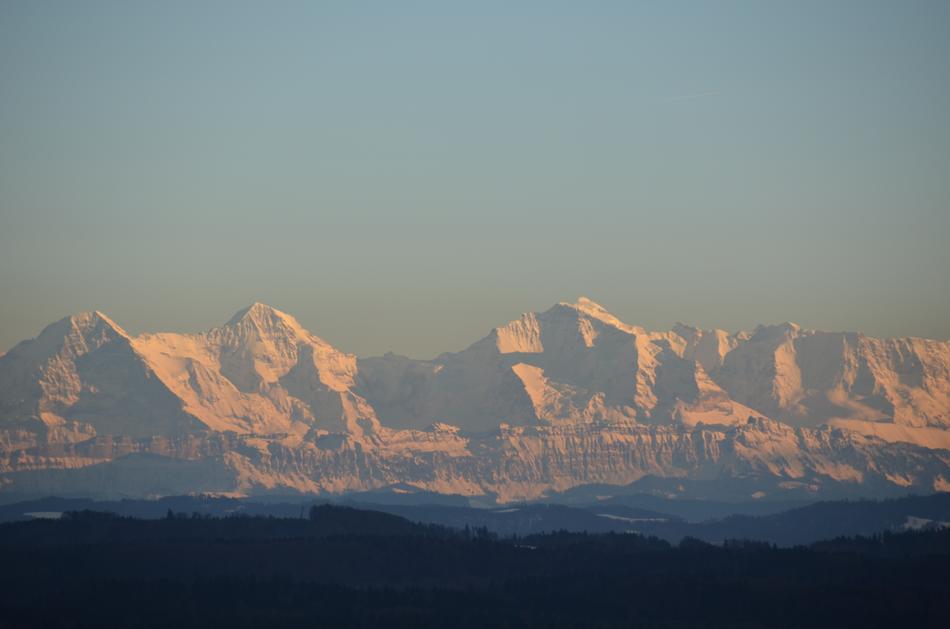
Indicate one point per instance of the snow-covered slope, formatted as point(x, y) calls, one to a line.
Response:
point(550, 401)
point(83, 375)
point(577, 363)
point(261, 373)
point(572, 363)
point(898, 389)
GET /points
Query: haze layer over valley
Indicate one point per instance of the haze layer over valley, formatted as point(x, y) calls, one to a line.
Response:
point(553, 401)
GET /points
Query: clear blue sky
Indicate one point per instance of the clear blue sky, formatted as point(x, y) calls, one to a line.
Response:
point(406, 175)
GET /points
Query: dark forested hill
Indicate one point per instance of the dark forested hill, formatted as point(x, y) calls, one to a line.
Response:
point(345, 567)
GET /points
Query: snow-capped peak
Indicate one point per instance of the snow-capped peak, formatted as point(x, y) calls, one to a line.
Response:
point(76, 334)
point(587, 307)
point(262, 322)
point(91, 319)
point(582, 397)
point(260, 313)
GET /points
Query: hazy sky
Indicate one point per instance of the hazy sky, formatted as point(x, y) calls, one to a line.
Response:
point(406, 175)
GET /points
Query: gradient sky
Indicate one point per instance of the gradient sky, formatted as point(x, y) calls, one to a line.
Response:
point(406, 175)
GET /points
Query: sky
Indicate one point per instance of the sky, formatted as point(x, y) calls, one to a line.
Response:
point(406, 176)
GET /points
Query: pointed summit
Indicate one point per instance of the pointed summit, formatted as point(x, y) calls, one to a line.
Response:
point(259, 312)
point(259, 344)
point(267, 321)
point(76, 335)
point(84, 321)
point(262, 323)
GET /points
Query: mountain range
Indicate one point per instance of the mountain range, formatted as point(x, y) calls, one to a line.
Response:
point(567, 400)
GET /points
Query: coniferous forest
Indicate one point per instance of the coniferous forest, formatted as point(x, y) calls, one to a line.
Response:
point(344, 567)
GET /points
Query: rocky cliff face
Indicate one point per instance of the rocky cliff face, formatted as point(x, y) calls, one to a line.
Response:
point(554, 400)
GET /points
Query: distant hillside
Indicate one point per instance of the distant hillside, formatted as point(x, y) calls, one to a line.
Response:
point(98, 527)
point(799, 525)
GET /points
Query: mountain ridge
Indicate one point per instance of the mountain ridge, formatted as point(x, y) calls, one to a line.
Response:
point(548, 401)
